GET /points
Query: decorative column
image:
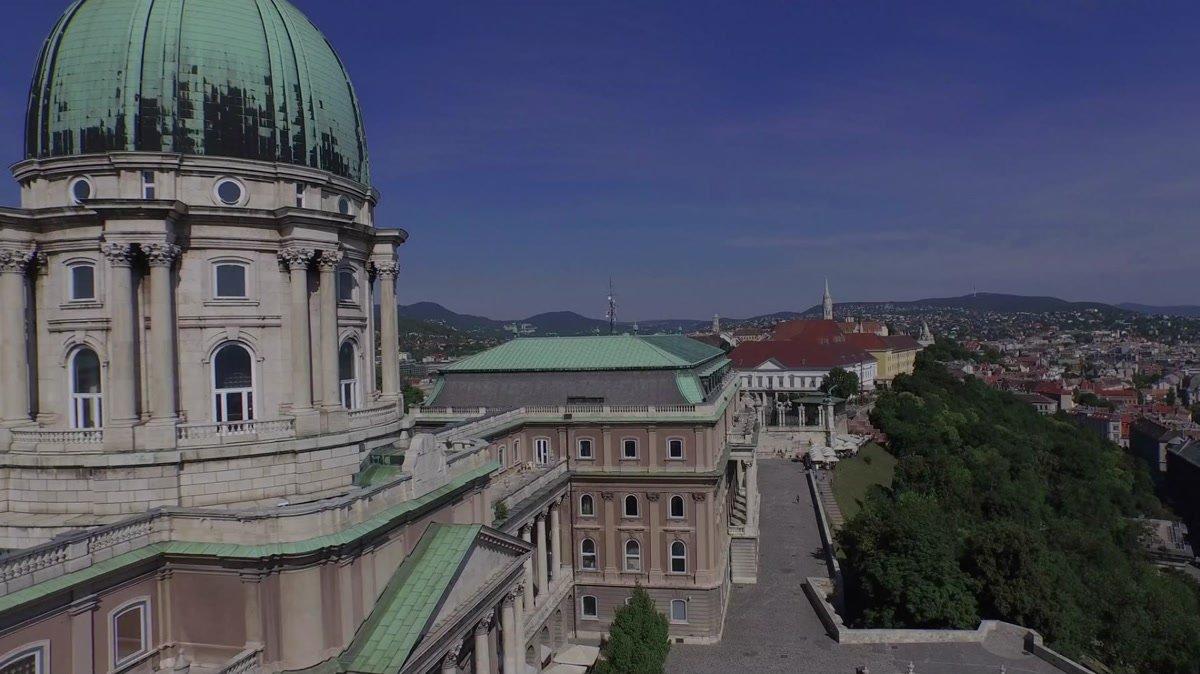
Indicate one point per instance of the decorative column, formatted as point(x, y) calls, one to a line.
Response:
point(556, 538)
point(251, 586)
point(526, 535)
point(450, 659)
point(296, 260)
point(161, 257)
point(653, 566)
point(508, 630)
point(610, 535)
point(483, 645)
point(519, 612)
point(121, 403)
point(389, 337)
point(542, 566)
point(14, 350)
point(327, 263)
point(82, 612)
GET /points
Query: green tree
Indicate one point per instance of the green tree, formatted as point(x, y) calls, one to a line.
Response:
point(1172, 398)
point(843, 384)
point(638, 641)
point(413, 396)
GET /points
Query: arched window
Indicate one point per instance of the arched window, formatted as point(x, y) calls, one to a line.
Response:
point(233, 385)
point(83, 282)
point(587, 554)
point(633, 556)
point(129, 627)
point(631, 506)
point(588, 607)
point(348, 375)
point(587, 506)
point(87, 402)
point(28, 660)
point(678, 557)
point(678, 611)
point(676, 511)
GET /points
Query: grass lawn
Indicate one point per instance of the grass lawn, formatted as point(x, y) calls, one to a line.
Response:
point(853, 477)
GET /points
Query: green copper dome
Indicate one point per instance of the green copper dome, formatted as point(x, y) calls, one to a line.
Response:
point(252, 79)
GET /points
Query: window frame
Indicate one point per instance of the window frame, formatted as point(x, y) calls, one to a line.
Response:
point(591, 443)
point(541, 458)
point(500, 449)
point(149, 185)
point(76, 400)
point(584, 555)
point(636, 556)
point(254, 400)
point(671, 612)
point(142, 604)
point(243, 193)
point(682, 449)
point(591, 501)
point(672, 557)
point(583, 614)
point(40, 650)
point(71, 266)
point(637, 507)
point(636, 450)
point(350, 390)
point(71, 198)
point(248, 287)
point(354, 294)
point(301, 194)
point(671, 510)
point(345, 205)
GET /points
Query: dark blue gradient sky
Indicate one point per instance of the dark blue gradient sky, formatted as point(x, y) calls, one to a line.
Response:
point(725, 157)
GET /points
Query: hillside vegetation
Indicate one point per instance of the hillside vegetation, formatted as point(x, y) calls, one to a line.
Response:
point(998, 512)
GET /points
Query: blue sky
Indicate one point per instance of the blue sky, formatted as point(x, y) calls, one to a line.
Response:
point(727, 156)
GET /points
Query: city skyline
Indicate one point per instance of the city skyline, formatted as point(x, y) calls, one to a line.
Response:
point(1024, 149)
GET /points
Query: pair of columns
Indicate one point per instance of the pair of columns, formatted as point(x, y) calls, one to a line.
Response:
point(513, 641)
point(297, 260)
point(543, 555)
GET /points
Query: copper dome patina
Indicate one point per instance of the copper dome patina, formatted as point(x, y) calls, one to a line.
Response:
point(250, 79)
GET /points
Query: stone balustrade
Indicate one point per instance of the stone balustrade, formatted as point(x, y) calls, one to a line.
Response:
point(248, 661)
point(367, 417)
point(57, 441)
point(235, 432)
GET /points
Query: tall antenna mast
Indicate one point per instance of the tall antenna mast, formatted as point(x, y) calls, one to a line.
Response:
point(612, 308)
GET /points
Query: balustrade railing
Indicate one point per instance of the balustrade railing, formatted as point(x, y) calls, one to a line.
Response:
point(37, 436)
point(371, 416)
point(248, 661)
point(63, 552)
point(237, 431)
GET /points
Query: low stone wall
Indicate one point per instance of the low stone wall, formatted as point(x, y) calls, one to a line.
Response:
point(818, 591)
point(1033, 644)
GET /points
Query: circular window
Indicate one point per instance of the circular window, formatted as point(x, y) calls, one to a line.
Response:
point(81, 190)
point(229, 191)
point(344, 206)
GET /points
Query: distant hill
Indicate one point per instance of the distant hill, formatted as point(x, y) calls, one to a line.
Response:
point(1185, 310)
point(566, 323)
point(436, 313)
point(994, 302)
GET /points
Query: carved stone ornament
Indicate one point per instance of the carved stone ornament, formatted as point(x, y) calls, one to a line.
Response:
point(606, 495)
point(161, 254)
point(295, 257)
point(699, 496)
point(389, 269)
point(329, 260)
point(118, 254)
point(16, 260)
point(652, 496)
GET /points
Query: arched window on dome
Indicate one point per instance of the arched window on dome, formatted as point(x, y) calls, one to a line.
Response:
point(233, 386)
point(87, 400)
point(348, 375)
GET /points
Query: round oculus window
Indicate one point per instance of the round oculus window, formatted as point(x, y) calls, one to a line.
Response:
point(229, 192)
point(81, 190)
point(344, 206)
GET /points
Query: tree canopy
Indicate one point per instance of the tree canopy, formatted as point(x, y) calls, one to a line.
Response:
point(638, 642)
point(842, 382)
point(999, 512)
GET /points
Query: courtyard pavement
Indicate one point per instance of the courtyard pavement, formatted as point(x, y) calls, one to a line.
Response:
point(772, 627)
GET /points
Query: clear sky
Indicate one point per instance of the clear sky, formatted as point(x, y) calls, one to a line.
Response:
point(727, 156)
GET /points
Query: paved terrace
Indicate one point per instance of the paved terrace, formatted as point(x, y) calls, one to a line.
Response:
point(772, 627)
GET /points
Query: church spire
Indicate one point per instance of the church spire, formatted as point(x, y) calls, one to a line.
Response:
point(827, 302)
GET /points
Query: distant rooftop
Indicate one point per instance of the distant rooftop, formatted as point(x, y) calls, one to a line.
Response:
point(597, 353)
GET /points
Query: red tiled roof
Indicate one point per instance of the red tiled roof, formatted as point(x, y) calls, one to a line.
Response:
point(902, 343)
point(797, 354)
point(807, 328)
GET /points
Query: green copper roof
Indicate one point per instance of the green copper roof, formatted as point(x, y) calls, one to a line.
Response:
point(251, 79)
point(574, 354)
point(410, 601)
point(689, 388)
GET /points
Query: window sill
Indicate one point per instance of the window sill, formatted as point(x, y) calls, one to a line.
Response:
point(585, 458)
point(231, 302)
point(629, 458)
point(590, 617)
point(82, 304)
point(676, 458)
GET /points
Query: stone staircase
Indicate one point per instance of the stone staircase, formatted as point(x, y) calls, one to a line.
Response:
point(739, 513)
point(743, 560)
point(828, 502)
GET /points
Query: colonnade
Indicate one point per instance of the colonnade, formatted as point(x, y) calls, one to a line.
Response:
point(510, 640)
point(547, 563)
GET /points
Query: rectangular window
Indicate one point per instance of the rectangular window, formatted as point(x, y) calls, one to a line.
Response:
point(675, 448)
point(347, 286)
point(585, 448)
point(300, 190)
point(541, 448)
point(589, 608)
point(230, 281)
point(83, 282)
point(629, 449)
point(148, 191)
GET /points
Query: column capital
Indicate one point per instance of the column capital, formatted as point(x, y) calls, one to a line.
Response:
point(16, 260)
point(296, 257)
point(450, 660)
point(161, 254)
point(510, 597)
point(699, 496)
point(526, 529)
point(386, 268)
point(328, 260)
point(652, 496)
point(606, 495)
point(118, 254)
point(85, 605)
point(485, 624)
point(540, 517)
